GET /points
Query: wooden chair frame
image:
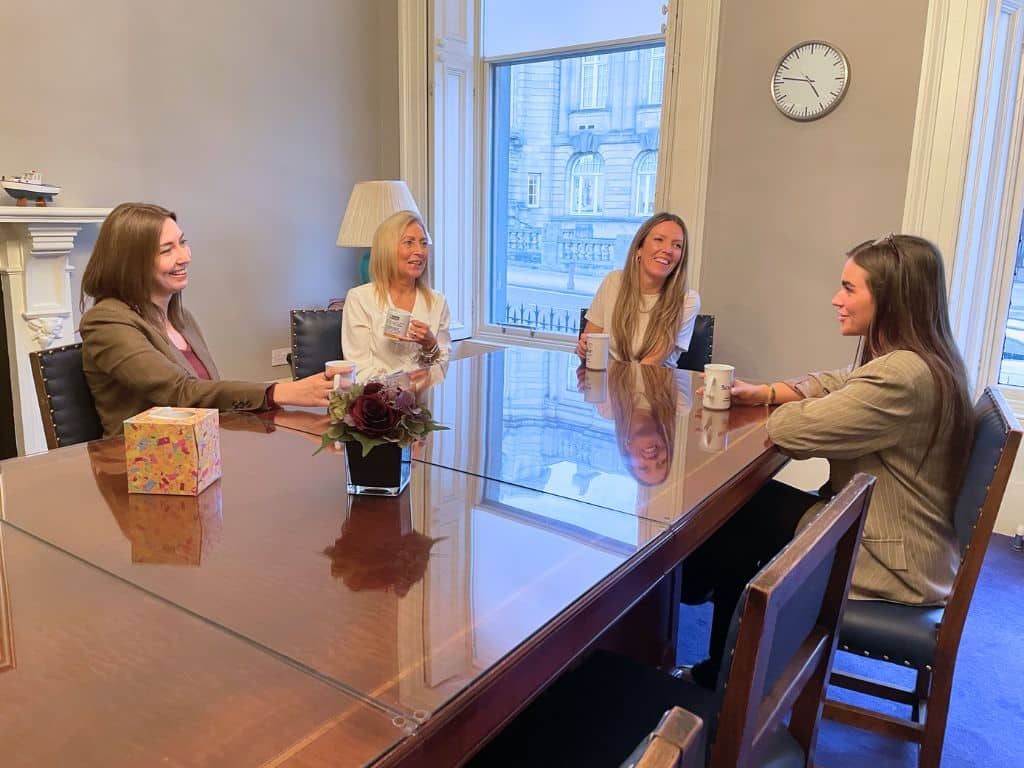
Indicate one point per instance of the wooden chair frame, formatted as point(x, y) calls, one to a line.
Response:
point(674, 743)
point(929, 699)
point(750, 713)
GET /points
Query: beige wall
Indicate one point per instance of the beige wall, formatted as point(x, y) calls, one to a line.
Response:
point(786, 199)
point(251, 118)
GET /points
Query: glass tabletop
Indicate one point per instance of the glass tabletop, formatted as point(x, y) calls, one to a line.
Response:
point(402, 601)
point(94, 672)
point(633, 438)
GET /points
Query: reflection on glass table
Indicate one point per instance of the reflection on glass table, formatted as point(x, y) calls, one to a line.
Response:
point(628, 439)
point(108, 676)
point(298, 568)
point(162, 529)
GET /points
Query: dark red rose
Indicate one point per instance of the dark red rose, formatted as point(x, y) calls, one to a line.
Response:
point(371, 415)
point(372, 388)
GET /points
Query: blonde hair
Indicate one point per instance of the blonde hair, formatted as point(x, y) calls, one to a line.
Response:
point(667, 313)
point(384, 256)
point(659, 387)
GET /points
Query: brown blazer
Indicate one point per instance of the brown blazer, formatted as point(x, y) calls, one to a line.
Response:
point(131, 366)
point(878, 419)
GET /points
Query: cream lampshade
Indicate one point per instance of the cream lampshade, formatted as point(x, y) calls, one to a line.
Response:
point(370, 203)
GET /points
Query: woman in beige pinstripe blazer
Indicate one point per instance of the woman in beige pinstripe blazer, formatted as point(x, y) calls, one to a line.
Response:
point(902, 414)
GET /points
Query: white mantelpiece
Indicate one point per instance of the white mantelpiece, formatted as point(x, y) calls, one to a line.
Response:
point(34, 247)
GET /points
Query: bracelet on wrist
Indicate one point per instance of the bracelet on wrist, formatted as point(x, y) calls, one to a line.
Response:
point(771, 394)
point(428, 356)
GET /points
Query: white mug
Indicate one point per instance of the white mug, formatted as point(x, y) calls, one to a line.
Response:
point(718, 380)
point(343, 371)
point(597, 351)
point(595, 386)
point(396, 322)
point(714, 430)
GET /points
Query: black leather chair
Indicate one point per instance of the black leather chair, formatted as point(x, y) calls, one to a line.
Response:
point(65, 402)
point(927, 639)
point(316, 338)
point(701, 343)
point(765, 710)
point(673, 744)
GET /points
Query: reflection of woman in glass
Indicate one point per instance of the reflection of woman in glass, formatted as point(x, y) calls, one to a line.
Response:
point(643, 400)
point(378, 549)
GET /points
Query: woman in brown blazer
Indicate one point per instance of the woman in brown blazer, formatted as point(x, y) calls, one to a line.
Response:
point(902, 413)
point(140, 346)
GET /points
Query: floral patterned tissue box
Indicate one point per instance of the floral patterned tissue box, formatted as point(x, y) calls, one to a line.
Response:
point(172, 450)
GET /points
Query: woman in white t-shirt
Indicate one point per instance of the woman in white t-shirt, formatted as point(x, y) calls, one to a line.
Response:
point(398, 263)
point(646, 306)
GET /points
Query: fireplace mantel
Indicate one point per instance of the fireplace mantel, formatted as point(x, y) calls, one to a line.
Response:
point(35, 244)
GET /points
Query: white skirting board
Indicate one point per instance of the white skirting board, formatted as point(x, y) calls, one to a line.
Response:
point(808, 475)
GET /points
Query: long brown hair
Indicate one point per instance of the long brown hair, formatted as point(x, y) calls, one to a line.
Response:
point(908, 285)
point(121, 264)
point(666, 315)
point(384, 255)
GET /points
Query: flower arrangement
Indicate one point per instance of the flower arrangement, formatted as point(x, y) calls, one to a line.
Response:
point(376, 413)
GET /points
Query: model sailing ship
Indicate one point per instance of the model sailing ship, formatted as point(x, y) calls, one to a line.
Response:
point(29, 187)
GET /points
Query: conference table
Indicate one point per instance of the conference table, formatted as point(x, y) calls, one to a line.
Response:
point(274, 620)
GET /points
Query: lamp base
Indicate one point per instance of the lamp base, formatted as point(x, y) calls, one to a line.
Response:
point(364, 267)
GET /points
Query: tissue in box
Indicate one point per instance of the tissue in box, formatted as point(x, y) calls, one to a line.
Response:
point(172, 450)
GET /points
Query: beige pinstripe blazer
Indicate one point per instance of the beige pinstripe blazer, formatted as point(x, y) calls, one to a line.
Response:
point(131, 366)
point(878, 419)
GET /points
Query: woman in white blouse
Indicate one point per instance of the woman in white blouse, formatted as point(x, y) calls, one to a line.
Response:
point(398, 264)
point(646, 306)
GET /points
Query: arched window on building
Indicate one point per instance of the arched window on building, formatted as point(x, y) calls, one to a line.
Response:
point(585, 183)
point(644, 177)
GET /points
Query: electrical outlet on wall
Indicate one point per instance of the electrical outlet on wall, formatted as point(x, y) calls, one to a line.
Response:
point(279, 356)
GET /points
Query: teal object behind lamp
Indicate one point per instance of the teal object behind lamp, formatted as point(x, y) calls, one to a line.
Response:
point(364, 268)
point(370, 204)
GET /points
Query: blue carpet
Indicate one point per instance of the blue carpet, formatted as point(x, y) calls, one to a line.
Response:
point(986, 717)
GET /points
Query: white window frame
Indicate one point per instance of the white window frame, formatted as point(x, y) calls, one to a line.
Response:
point(691, 40)
point(656, 85)
point(597, 67)
point(966, 200)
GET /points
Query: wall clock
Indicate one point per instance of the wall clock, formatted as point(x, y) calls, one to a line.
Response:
point(810, 80)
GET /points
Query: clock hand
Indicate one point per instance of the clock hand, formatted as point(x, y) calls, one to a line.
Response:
point(811, 83)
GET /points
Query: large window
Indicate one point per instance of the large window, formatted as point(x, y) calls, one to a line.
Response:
point(656, 76)
point(593, 82)
point(573, 121)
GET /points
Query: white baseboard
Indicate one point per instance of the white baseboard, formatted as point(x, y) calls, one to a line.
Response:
point(810, 474)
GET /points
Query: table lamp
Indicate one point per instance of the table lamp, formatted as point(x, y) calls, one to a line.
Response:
point(370, 203)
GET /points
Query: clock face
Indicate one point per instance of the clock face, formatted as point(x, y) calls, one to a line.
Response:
point(810, 80)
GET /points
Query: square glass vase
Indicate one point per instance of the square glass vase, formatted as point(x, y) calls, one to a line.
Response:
point(384, 471)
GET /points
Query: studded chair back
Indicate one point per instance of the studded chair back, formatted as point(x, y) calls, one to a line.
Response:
point(65, 402)
point(316, 338)
point(927, 638)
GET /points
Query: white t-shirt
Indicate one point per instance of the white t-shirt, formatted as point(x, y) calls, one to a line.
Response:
point(600, 313)
point(363, 340)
